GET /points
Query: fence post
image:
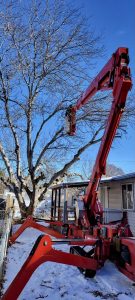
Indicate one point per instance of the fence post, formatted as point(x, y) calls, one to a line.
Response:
point(5, 227)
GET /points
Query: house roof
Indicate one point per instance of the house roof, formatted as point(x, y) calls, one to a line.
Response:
point(119, 177)
point(85, 183)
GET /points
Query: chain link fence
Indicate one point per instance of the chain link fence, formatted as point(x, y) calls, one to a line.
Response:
point(5, 228)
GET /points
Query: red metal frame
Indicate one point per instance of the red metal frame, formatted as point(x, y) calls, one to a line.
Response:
point(41, 253)
point(31, 222)
point(128, 269)
point(107, 240)
point(116, 76)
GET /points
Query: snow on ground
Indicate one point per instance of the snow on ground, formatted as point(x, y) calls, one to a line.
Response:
point(53, 281)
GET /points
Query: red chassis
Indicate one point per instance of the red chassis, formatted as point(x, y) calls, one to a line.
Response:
point(112, 241)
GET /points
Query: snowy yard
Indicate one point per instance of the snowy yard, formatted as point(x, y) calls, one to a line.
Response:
point(54, 281)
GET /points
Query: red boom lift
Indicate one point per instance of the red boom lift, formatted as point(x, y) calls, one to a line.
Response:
point(111, 241)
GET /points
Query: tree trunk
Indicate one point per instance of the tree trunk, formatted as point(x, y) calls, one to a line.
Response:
point(28, 210)
point(25, 210)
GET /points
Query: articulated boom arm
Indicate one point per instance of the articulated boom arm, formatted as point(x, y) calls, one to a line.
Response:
point(111, 241)
point(116, 76)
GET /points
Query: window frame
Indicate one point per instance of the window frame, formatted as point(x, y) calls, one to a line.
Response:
point(127, 183)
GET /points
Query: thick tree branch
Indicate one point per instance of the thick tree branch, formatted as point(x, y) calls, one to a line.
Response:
point(71, 162)
point(17, 146)
point(57, 134)
point(7, 163)
point(6, 183)
point(42, 125)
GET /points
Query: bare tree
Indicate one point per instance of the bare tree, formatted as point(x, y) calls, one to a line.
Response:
point(86, 169)
point(111, 170)
point(45, 52)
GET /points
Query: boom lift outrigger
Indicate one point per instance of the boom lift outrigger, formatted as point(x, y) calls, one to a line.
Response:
point(113, 241)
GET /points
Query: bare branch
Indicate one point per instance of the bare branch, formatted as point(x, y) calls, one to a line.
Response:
point(6, 183)
point(17, 146)
point(42, 125)
point(56, 135)
point(72, 161)
point(6, 161)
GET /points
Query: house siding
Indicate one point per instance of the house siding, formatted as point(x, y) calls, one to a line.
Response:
point(110, 193)
point(113, 195)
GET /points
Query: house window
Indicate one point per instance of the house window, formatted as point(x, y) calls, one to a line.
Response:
point(127, 196)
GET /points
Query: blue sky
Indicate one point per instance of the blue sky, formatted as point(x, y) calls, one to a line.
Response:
point(115, 20)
